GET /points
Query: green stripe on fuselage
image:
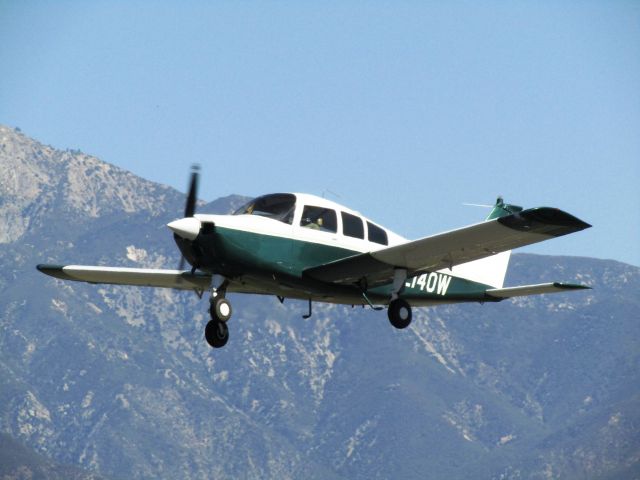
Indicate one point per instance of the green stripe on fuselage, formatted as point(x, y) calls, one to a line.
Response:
point(439, 286)
point(273, 254)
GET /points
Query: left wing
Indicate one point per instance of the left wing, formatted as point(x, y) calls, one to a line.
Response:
point(146, 277)
point(448, 249)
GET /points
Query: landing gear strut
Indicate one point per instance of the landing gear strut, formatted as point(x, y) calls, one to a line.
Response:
point(399, 313)
point(217, 332)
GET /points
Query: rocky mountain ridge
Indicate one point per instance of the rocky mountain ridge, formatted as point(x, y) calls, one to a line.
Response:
point(119, 380)
point(35, 178)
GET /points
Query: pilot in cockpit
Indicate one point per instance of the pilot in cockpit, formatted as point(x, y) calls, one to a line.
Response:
point(315, 223)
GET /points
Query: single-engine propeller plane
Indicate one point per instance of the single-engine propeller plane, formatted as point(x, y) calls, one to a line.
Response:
point(300, 246)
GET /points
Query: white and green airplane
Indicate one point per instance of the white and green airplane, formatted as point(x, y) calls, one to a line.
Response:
point(301, 246)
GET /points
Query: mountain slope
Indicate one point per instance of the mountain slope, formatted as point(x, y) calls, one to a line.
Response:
point(120, 380)
point(19, 462)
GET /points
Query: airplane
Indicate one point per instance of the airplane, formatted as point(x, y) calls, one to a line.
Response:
point(301, 246)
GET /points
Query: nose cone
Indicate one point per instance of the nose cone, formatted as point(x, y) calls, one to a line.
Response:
point(188, 227)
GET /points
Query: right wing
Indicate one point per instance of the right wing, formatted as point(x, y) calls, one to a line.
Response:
point(145, 277)
point(448, 249)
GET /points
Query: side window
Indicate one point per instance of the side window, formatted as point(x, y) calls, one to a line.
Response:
point(352, 226)
point(319, 218)
point(377, 234)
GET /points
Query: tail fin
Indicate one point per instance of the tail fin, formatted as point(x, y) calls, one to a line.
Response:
point(490, 270)
point(501, 209)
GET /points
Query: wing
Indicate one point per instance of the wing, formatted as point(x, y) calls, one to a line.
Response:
point(538, 289)
point(129, 276)
point(448, 249)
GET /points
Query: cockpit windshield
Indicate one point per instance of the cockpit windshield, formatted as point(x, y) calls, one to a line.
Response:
point(278, 206)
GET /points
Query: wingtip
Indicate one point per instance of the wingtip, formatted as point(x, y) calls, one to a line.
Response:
point(52, 270)
point(545, 220)
point(47, 267)
point(571, 286)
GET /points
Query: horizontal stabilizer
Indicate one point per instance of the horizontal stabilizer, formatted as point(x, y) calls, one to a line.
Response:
point(539, 289)
point(144, 277)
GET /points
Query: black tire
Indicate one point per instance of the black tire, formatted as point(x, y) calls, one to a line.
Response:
point(216, 333)
point(400, 313)
point(220, 309)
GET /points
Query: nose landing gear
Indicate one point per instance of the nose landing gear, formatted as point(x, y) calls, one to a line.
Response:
point(220, 309)
point(216, 331)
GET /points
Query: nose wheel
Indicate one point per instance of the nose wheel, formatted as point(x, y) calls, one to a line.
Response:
point(216, 333)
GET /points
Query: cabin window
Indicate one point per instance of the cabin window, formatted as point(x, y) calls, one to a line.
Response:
point(278, 206)
point(377, 234)
point(352, 226)
point(319, 218)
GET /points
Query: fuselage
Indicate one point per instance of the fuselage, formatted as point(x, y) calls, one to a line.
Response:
point(267, 244)
point(296, 242)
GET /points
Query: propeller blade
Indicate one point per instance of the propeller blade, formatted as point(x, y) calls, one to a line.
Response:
point(192, 197)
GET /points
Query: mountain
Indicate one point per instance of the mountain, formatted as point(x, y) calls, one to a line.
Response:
point(119, 381)
point(18, 462)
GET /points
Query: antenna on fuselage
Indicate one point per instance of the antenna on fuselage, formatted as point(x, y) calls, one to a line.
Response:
point(326, 190)
point(499, 201)
point(477, 205)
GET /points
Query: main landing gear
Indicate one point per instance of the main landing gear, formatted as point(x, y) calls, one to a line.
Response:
point(217, 332)
point(399, 313)
point(399, 310)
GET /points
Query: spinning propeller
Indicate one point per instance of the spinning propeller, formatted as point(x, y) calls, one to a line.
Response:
point(192, 198)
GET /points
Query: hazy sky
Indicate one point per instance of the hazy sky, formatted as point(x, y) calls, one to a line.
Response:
point(401, 110)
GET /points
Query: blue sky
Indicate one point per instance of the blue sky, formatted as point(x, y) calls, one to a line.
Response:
point(401, 110)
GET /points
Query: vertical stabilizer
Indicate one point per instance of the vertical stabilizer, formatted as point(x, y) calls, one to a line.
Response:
point(490, 270)
point(501, 209)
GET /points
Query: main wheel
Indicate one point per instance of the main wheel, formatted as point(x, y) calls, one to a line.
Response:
point(216, 333)
point(220, 309)
point(399, 313)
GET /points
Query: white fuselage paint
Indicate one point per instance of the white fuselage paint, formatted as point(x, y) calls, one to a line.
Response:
point(266, 226)
point(489, 271)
